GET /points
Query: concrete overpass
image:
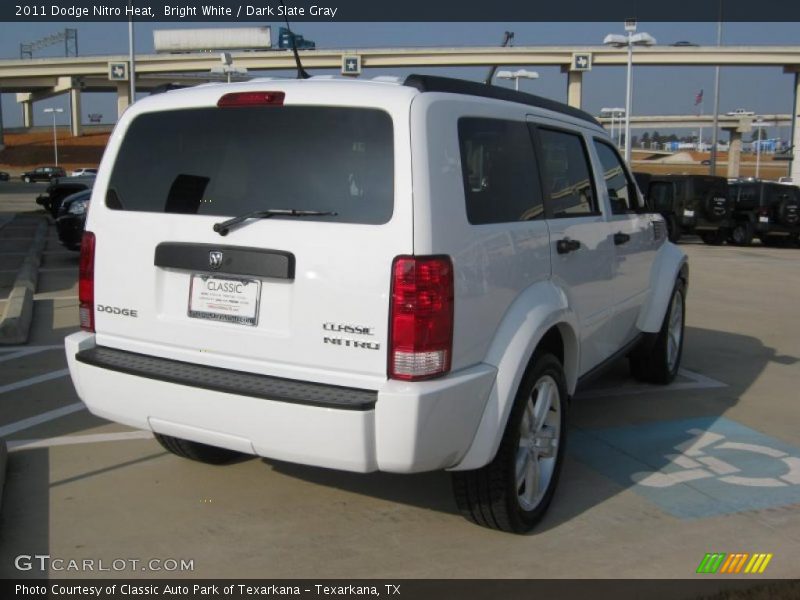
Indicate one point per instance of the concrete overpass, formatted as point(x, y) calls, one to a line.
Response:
point(43, 76)
point(690, 121)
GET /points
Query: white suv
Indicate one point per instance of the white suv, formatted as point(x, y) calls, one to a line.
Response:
point(369, 275)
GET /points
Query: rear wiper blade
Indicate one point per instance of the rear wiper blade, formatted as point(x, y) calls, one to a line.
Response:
point(225, 226)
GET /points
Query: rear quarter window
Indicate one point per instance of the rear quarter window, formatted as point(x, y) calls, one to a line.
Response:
point(230, 161)
point(501, 179)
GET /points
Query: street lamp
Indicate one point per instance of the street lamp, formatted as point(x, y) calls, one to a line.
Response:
point(615, 112)
point(516, 75)
point(227, 67)
point(55, 138)
point(629, 40)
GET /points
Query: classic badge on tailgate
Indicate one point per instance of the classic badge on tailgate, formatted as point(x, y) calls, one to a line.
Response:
point(224, 299)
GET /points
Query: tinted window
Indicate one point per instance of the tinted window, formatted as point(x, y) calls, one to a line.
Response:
point(748, 196)
point(501, 181)
point(225, 162)
point(778, 193)
point(568, 183)
point(621, 191)
point(661, 196)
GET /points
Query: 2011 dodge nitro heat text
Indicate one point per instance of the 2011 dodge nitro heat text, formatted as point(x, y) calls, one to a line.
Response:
point(395, 276)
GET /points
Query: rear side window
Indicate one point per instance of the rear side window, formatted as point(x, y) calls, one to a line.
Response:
point(230, 161)
point(621, 191)
point(501, 180)
point(778, 193)
point(748, 196)
point(568, 181)
point(661, 196)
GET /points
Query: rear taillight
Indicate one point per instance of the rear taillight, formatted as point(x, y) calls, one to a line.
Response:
point(252, 99)
point(421, 317)
point(86, 282)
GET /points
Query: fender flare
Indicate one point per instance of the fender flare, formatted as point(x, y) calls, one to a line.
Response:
point(538, 309)
point(670, 264)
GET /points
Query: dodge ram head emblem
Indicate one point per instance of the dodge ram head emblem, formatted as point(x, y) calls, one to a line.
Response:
point(215, 259)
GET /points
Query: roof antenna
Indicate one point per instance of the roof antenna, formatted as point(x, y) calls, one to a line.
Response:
point(508, 37)
point(301, 72)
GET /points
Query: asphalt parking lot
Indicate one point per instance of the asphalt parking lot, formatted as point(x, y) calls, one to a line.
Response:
point(655, 479)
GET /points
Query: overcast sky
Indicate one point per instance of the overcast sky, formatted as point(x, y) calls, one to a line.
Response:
point(657, 90)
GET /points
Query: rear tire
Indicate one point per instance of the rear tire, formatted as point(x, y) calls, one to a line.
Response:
point(742, 234)
point(513, 491)
point(673, 229)
point(204, 453)
point(659, 361)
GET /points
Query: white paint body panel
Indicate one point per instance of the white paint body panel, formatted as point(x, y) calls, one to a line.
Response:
point(511, 288)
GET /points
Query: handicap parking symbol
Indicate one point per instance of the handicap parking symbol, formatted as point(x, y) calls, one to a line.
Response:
point(696, 467)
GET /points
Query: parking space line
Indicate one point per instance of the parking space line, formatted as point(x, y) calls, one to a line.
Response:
point(68, 440)
point(42, 418)
point(33, 348)
point(20, 354)
point(45, 270)
point(44, 296)
point(17, 385)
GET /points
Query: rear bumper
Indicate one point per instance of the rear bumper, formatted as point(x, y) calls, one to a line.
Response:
point(70, 230)
point(401, 427)
point(776, 229)
point(691, 224)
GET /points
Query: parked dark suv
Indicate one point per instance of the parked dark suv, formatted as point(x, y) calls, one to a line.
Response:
point(62, 187)
point(696, 204)
point(767, 210)
point(42, 174)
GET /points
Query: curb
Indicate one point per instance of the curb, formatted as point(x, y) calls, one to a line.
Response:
point(16, 321)
point(3, 460)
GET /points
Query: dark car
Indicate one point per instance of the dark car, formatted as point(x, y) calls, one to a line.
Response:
point(4, 176)
point(42, 174)
point(62, 187)
point(696, 204)
point(72, 219)
point(767, 210)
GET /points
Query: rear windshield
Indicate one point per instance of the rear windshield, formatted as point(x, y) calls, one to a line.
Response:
point(230, 161)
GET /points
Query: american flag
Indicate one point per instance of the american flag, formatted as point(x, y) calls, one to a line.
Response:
point(698, 98)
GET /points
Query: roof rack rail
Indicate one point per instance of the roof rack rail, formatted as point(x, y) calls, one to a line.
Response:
point(433, 83)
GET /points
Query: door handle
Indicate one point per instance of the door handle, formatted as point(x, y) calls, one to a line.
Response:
point(567, 245)
point(621, 238)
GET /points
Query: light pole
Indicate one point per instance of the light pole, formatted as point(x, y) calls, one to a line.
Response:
point(131, 54)
point(629, 40)
point(614, 113)
point(55, 138)
point(759, 125)
point(516, 75)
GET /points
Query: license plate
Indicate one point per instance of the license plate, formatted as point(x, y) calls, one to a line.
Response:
point(224, 299)
point(763, 219)
point(688, 213)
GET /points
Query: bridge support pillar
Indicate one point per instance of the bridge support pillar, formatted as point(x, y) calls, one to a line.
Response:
point(794, 170)
point(734, 154)
point(27, 113)
point(2, 141)
point(123, 97)
point(574, 88)
point(75, 111)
